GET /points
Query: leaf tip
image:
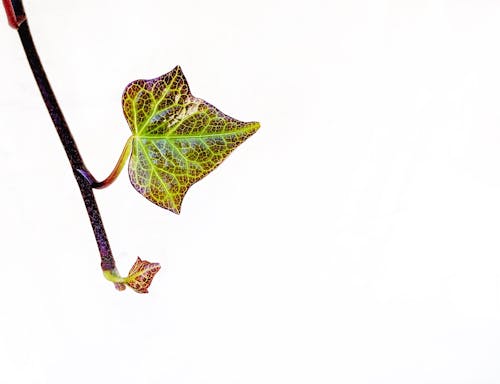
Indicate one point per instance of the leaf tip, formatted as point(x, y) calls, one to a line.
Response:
point(254, 125)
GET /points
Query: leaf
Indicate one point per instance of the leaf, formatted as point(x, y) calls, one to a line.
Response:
point(177, 138)
point(139, 278)
point(141, 275)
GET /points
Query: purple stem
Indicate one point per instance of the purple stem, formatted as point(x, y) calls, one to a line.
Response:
point(74, 157)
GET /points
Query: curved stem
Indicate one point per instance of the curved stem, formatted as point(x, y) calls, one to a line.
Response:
point(114, 173)
point(74, 157)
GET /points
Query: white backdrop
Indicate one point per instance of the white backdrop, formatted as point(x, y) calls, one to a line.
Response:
point(353, 239)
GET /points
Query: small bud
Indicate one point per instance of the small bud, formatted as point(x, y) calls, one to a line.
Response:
point(141, 275)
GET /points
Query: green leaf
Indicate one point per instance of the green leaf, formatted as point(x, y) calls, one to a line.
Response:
point(177, 138)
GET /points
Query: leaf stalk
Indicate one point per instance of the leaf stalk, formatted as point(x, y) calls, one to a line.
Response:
point(114, 173)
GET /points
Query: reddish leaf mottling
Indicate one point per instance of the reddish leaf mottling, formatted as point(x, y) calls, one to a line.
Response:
point(141, 275)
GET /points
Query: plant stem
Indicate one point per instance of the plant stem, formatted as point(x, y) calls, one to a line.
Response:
point(114, 173)
point(15, 12)
point(74, 157)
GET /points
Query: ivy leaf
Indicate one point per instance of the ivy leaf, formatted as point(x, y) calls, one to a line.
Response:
point(177, 138)
point(139, 278)
point(141, 275)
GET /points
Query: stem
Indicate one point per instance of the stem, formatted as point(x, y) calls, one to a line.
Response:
point(114, 173)
point(15, 12)
point(74, 157)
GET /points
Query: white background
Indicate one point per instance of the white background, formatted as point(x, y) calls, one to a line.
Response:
point(354, 239)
